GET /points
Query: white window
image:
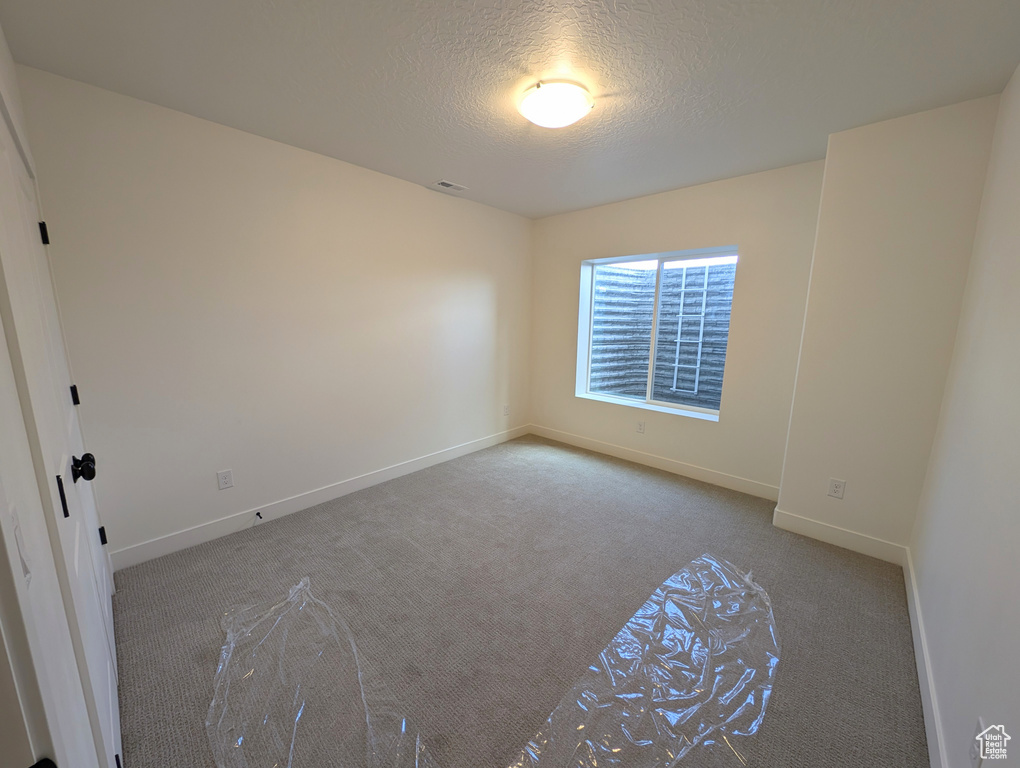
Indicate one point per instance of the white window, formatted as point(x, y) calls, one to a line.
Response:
point(653, 329)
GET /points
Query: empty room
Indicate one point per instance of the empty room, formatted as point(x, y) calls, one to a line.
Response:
point(509, 384)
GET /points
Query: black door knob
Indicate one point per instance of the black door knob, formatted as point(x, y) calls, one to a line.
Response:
point(84, 467)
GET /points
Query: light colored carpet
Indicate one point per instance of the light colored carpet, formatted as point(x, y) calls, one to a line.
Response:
point(481, 589)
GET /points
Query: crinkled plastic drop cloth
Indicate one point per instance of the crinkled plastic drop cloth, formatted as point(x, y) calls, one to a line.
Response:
point(684, 681)
point(290, 692)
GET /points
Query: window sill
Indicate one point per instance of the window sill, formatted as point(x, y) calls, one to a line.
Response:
point(678, 410)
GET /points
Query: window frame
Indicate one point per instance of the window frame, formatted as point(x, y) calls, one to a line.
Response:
point(586, 319)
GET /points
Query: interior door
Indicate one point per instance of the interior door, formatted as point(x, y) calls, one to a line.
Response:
point(39, 362)
point(49, 658)
point(79, 492)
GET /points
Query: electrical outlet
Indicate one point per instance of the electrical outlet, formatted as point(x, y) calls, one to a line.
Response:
point(506, 410)
point(975, 744)
point(641, 427)
point(225, 479)
point(836, 488)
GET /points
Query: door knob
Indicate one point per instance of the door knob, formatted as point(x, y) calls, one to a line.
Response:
point(84, 467)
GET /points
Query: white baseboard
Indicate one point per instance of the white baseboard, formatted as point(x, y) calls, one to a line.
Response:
point(189, 537)
point(929, 704)
point(841, 537)
point(734, 483)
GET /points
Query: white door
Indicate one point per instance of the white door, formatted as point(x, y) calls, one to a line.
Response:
point(51, 666)
point(40, 365)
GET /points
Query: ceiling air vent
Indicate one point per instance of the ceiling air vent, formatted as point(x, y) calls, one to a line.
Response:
point(449, 186)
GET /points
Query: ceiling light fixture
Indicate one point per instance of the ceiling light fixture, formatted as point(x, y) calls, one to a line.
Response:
point(555, 103)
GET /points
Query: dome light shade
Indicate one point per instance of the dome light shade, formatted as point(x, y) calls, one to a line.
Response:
point(555, 103)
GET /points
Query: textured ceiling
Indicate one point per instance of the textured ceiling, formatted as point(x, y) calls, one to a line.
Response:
point(686, 91)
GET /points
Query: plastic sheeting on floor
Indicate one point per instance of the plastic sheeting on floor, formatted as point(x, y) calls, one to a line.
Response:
point(686, 679)
point(290, 691)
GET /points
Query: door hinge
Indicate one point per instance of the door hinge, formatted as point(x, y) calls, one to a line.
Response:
point(74, 394)
point(63, 498)
point(102, 534)
point(44, 233)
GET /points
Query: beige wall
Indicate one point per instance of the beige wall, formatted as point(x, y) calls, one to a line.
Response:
point(233, 302)
point(967, 536)
point(895, 229)
point(770, 217)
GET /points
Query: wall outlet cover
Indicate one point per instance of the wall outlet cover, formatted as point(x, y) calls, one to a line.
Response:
point(836, 488)
point(225, 479)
